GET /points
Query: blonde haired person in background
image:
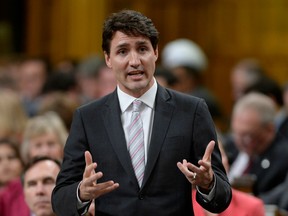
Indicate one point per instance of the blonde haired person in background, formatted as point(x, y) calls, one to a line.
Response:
point(44, 135)
point(12, 116)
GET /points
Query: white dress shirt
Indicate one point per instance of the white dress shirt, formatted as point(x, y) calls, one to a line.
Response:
point(146, 111)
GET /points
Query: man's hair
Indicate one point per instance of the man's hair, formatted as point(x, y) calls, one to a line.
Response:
point(37, 160)
point(131, 23)
point(258, 102)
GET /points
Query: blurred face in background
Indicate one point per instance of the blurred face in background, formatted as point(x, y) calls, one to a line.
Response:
point(186, 83)
point(32, 77)
point(10, 164)
point(39, 181)
point(47, 144)
point(106, 81)
point(251, 136)
point(285, 97)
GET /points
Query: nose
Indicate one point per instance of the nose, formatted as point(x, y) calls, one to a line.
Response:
point(45, 150)
point(134, 60)
point(40, 189)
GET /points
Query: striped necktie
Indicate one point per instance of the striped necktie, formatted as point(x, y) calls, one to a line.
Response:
point(136, 142)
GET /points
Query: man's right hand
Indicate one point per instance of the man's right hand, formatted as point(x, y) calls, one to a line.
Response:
point(89, 188)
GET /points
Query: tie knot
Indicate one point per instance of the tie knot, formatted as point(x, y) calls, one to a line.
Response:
point(136, 105)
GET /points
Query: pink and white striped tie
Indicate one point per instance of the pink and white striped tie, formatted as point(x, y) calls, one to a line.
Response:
point(136, 142)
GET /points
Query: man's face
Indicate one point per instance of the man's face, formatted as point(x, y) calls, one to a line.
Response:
point(132, 59)
point(250, 135)
point(39, 182)
point(32, 78)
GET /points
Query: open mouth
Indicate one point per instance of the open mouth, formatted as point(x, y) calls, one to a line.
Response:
point(136, 74)
point(41, 204)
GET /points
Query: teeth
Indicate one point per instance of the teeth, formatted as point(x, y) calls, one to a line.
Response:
point(137, 73)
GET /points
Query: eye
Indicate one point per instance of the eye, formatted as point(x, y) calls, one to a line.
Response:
point(12, 157)
point(51, 144)
point(31, 183)
point(143, 49)
point(37, 145)
point(49, 181)
point(122, 51)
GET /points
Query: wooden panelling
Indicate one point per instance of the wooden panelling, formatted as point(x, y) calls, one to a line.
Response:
point(64, 28)
point(227, 30)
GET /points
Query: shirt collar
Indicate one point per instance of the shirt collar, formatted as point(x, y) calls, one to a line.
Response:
point(148, 98)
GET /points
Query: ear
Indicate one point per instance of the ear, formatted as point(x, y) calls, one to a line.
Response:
point(107, 60)
point(156, 53)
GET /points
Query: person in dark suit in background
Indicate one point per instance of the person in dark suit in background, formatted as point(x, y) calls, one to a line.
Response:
point(178, 139)
point(262, 149)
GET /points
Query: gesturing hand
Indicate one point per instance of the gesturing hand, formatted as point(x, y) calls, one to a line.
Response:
point(201, 176)
point(89, 188)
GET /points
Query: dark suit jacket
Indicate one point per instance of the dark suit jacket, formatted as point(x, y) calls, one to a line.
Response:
point(270, 168)
point(182, 129)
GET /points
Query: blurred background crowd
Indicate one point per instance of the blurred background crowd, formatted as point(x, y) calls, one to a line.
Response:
point(232, 54)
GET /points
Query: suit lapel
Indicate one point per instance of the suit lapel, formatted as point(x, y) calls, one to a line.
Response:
point(112, 121)
point(163, 113)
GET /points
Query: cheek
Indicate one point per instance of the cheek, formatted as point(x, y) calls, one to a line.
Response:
point(56, 151)
point(29, 195)
point(17, 166)
point(34, 152)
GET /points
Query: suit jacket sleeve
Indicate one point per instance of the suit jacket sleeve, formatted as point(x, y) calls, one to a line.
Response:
point(64, 194)
point(204, 132)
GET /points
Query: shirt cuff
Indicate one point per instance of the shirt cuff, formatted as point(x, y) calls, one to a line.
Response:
point(208, 197)
point(82, 206)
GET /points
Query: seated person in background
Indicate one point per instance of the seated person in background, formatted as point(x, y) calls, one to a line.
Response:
point(38, 181)
point(188, 63)
point(165, 77)
point(11, 193)
point(44, 135)
point(262, 151)
point(10, 163)
point(32, 75)
point(12, 116)
point(271, 88)
point(278, 196)
point(241, 204)
point(245, 74)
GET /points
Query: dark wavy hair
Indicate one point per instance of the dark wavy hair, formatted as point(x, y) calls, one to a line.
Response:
point(131, 23)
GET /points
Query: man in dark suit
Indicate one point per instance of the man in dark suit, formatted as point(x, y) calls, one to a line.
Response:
point(262, 149)
point(175, 131)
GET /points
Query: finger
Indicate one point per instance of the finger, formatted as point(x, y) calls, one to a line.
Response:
point(88, 158)
point(191, 176)
point(105, 185)
point(92, 180)
point(204, 165)
point(191, 167)
point(182, 168)
point(104, 188)
point(90, 166)
point(186, 168)
point(208, 151)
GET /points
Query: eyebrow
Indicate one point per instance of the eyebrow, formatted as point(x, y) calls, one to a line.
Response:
point(141, 42)
point(45, 179)
point(138, 43)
